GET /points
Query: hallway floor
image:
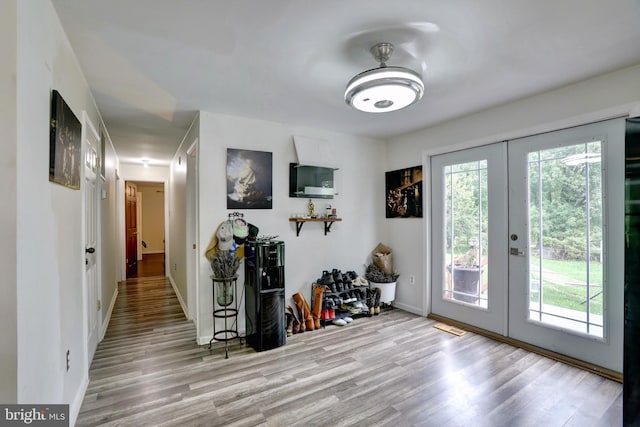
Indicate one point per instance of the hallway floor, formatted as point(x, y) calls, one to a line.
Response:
point(394, 369)
point(151, 265)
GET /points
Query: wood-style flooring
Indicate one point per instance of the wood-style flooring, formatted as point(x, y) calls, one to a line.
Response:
point(394, 369)
point(150, 265)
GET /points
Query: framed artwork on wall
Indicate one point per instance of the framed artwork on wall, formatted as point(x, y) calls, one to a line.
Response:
point(404, 193)
point(65, 149)
point(249, 179)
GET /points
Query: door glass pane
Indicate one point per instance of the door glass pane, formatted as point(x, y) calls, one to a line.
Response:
point(565, 237)
point(466, 225)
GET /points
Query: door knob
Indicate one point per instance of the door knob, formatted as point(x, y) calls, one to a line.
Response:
point(90, 250)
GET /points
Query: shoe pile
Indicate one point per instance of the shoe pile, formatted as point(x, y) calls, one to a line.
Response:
point(336, 296)
point(348, 293)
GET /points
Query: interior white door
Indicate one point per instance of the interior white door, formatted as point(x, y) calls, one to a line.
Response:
point(566, 213)
point(90, 196)
point(469, 262)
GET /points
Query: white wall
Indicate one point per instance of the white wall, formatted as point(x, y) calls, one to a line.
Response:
point(8, 213)
point(590, 100)
point(49, 250)
point(178, 225)
point(108, 234)
point(360, 203)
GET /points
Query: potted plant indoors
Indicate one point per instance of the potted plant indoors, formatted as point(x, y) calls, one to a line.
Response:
point(378, 278)
point(466, 275)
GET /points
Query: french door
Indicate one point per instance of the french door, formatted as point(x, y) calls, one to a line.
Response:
point(566, 247)
point(469, 225)
point(556, 241)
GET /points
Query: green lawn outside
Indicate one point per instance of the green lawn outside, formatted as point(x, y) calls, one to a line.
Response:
point(569, 296)
point(575, 270)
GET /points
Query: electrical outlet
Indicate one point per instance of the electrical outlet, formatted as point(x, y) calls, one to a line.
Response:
point(68, 360)
point(412, 279)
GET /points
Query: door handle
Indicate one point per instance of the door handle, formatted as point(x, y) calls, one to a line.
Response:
point(516, 252)
point(90, 250)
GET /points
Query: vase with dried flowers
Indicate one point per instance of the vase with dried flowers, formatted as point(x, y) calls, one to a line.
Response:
point(225, 266)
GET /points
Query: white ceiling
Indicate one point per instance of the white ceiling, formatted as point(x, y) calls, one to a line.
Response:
point(151, 64)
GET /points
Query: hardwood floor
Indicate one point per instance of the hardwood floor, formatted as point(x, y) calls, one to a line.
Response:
point(151, 265)
point(393, 369)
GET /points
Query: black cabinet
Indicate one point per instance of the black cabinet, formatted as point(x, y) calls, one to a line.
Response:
point(264, 287)
point(631, 368)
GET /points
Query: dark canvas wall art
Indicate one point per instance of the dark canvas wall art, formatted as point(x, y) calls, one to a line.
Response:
point(249, 179)
point(404, 193)
point(65, 149)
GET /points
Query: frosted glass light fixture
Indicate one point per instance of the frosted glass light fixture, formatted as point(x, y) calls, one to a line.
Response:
point(384, 89)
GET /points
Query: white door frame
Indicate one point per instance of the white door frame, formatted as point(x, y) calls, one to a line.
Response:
point(124, 176)
point(626, 110)
point(139, 223)
point(192, 232)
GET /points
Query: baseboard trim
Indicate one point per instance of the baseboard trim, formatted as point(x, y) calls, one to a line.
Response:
point(207, 339)
point(204, 340)
point(409, 308)
point(107, 319)
point(76, 405)
point(185, 310)
point(604, 372)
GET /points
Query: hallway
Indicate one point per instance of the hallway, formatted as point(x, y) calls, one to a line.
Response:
point(134, 377)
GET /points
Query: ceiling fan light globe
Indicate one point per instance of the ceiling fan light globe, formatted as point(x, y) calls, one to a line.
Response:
point(384, 89)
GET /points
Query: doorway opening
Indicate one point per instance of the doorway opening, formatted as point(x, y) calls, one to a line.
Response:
point(144, 229)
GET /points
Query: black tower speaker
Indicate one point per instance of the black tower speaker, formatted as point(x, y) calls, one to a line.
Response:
point(264, 287)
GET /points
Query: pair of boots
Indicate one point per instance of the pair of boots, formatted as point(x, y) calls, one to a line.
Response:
point(298, 319)
point(373, 300)
point(310, 319)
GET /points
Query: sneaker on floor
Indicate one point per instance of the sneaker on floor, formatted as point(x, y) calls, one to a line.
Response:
point(347, 319)
point(360, 281)
point(339, 322)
